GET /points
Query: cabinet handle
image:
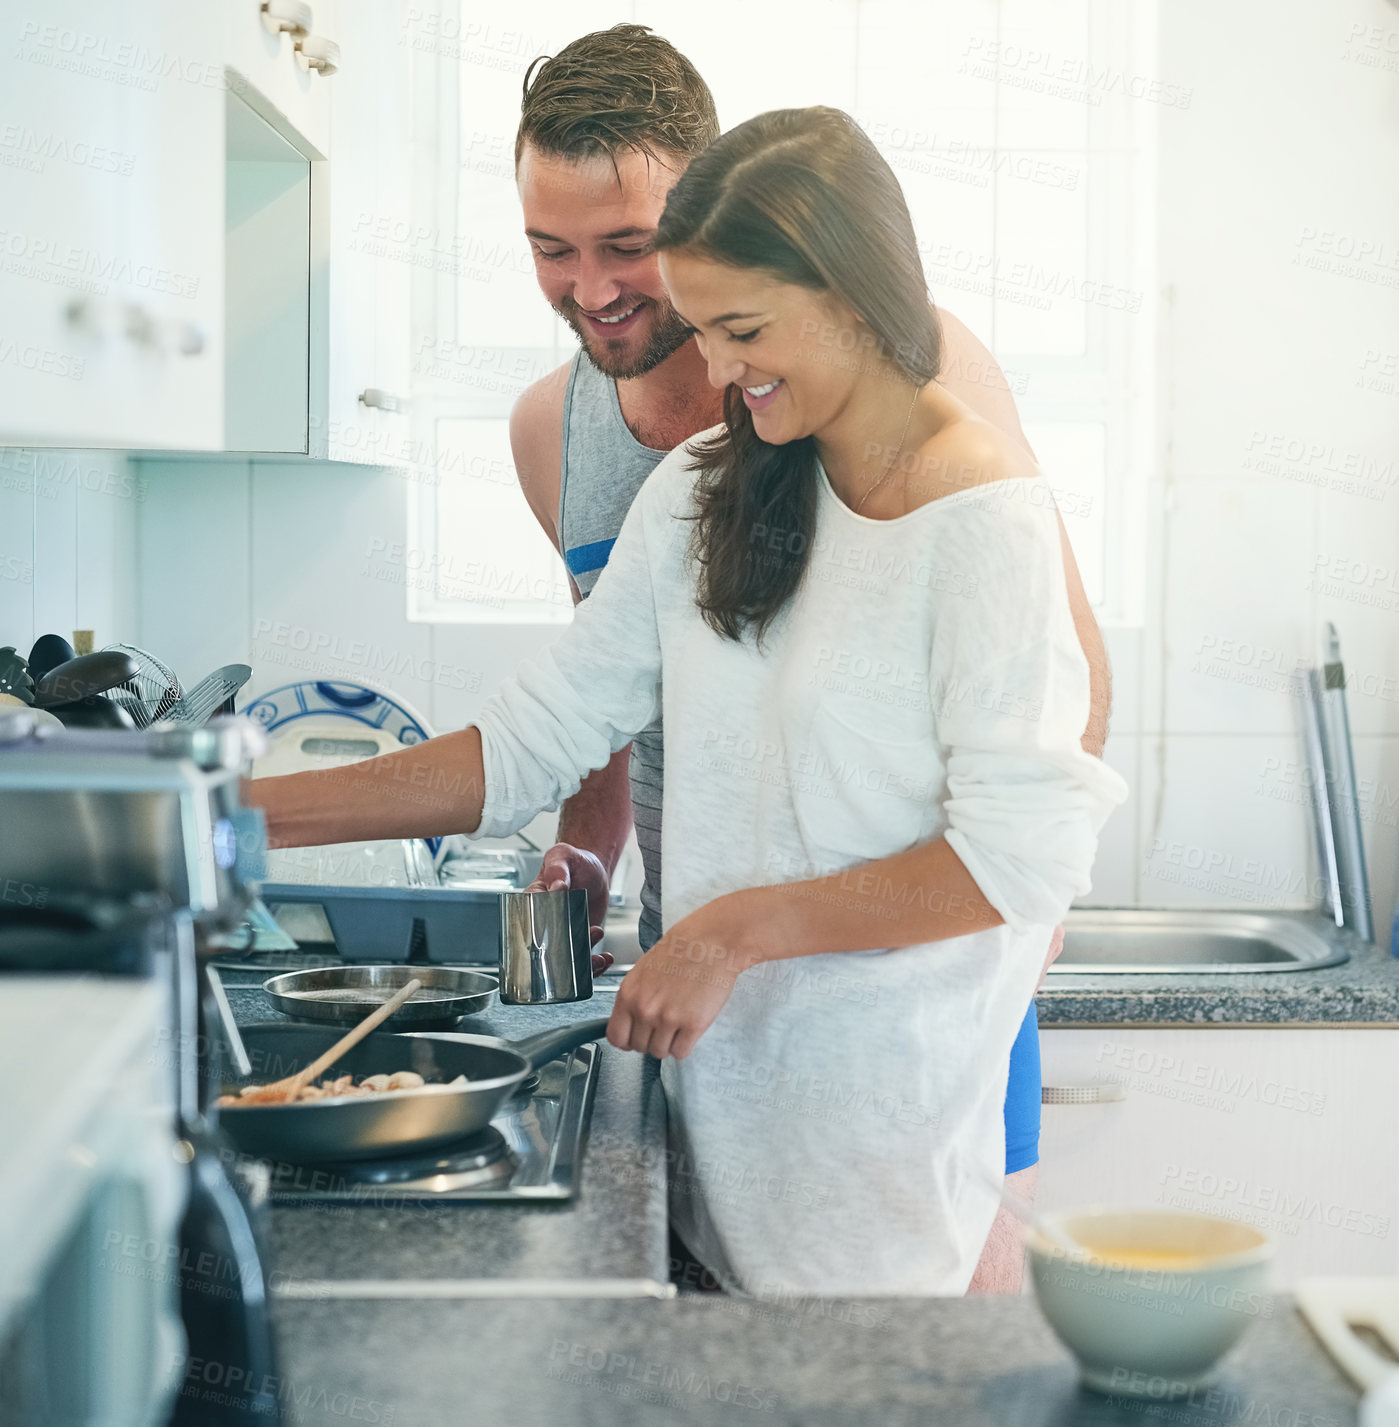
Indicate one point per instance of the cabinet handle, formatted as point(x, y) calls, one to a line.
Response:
point(291, 16)
point(318, 53)
point(82, 313)
point(139, 325)
point(382, 400)
point(190, 339)
point(1082, 1094)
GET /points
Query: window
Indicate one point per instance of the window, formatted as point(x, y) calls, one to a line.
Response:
point(1023, 133)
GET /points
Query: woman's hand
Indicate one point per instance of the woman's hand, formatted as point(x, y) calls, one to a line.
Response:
point(671, 996)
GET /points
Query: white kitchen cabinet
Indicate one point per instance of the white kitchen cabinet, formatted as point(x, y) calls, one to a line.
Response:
point(1290, 1130)
point(111, 226)
point(267, 66)
point(360, 413)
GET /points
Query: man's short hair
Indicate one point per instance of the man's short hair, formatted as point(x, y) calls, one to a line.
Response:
point(612, 90)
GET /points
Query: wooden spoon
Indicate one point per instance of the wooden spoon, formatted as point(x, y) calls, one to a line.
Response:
point(286, 1090)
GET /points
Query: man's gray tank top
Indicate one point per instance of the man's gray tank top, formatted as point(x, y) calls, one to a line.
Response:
point(603, 468)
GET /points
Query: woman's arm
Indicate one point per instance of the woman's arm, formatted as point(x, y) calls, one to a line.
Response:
point(429, 790)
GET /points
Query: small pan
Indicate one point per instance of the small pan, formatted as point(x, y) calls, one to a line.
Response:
point(345, 995)
point(391, 1122)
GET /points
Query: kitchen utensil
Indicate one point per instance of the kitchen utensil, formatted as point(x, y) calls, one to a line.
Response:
point(87, 674)
point(196, 705)
point(1155, 1300)
point(392, 1122)
point(16, 678)
point(242, 1066)
point(339, 995)
point(1336, 1307)
point(95, 711)
point(152, 690)
point(1338, 765)
point(1323, 816)
point(545, 947)
point(49, 651)
point(291, 1084)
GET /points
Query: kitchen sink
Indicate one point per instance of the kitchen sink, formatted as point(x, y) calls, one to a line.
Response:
point(1130, 941)
point(1112, 941)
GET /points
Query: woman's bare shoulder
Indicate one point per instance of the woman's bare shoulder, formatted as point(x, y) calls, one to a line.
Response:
point(965, 453)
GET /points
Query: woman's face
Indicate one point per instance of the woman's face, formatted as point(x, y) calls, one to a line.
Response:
point(796, 354)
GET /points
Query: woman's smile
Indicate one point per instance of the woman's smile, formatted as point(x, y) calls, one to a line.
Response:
point(759, 398)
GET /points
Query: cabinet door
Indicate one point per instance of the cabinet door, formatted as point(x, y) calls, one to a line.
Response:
point(369, 244)
point(111, 227)
point(1287, 1130)
point(266, 61)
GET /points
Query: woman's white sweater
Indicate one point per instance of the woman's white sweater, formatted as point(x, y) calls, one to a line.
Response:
point(839, 1129)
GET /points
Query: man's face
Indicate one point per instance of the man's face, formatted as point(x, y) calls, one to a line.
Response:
point(592, 239)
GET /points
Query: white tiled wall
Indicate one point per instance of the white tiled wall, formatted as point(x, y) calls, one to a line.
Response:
point(278, 565)
point(1280, 452)
point(68, 545)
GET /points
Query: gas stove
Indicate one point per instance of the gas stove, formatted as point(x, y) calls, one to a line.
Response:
point(531, 1151)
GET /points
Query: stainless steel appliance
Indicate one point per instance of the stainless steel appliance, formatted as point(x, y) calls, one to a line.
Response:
point(147, 826)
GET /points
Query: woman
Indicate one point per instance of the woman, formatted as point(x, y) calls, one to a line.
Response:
point(849, 603)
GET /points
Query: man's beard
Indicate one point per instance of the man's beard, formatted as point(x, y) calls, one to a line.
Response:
point(669, 332)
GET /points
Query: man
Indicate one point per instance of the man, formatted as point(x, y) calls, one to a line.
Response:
point(607, 126)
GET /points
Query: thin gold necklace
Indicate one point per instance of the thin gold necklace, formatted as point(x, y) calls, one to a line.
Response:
point(898, 451)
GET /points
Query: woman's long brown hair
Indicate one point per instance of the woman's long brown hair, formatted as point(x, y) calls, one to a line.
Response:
point(803, 196)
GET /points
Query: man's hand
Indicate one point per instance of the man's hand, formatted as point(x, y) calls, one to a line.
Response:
point(565, 866)
point(671, 996)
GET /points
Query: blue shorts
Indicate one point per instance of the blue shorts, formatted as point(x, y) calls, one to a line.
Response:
point(1023, 1096)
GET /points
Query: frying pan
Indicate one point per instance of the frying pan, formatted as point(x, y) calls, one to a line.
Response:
point(391, 1122)
point(345, 995)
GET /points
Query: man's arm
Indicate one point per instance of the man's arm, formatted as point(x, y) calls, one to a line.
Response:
point(596, 820)
point(973, 375)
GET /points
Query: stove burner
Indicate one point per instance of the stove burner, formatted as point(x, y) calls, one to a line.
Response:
point(479, 1159)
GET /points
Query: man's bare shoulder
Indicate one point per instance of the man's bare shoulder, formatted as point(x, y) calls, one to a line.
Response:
point(538, 410)
point(974, 377)
point(536, 444)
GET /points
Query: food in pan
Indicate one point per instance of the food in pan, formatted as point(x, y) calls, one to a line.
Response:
point(343, 1085)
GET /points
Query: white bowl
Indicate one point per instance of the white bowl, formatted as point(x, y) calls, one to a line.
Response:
point(1157, 1297)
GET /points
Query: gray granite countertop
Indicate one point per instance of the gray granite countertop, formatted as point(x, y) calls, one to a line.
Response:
point(413, 1349)
point(614, 1228)
point(706, 1359)
point(1361, 991)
